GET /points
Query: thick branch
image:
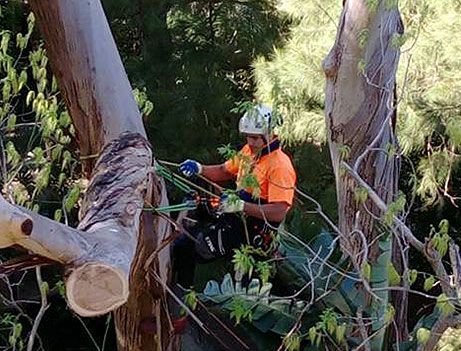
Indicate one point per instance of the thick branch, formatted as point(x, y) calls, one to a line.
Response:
point(99, 98)
point(99, 253)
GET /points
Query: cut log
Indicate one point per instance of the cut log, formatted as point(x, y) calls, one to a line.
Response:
point(99, 98)
point(98, 254)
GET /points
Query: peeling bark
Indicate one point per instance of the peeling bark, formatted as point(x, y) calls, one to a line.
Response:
point(99, 253)
point(99, 98)
point(359, 107)
point(360, 117)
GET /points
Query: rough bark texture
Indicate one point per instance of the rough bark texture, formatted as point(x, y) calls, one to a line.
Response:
point(143, 322)
point(112, 206)
point(360, 116)
point(98, 96)
point(98, 254)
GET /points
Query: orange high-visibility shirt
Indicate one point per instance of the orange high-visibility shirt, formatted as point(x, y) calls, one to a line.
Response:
point(274, 172)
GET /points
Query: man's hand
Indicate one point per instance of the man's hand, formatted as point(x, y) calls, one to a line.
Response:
point(231, 204)
point(190, 168)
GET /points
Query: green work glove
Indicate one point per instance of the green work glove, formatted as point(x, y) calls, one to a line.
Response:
point(231, 204)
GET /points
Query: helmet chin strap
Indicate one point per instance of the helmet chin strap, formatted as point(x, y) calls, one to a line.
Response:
point(269, 147)
point(267, 138)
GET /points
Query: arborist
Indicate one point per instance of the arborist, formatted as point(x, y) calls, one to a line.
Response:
point(260, 205)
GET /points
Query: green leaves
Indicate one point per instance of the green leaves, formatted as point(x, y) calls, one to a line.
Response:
point(15, 330)
point(243, 261)
point(12, 156)
point(227, 151)
point(15, 336)
point(328, 324)
point(250, 181)
point(240, 311)
point(190, 299)
point(361, 195)
point(444, 305)
point(394, 208)
point(6, 36)
point(292, 342)
point(72, 198)
point(454, 131)
point(58, 215)
point(393, 275)
point(423, 335)
point(366, 271)
point(61, 287)
point(398, 40)
point(412, 276)
point(344, 151)
point(314, 336)
point(363, 37)
point(145, 105)
point(391, 4)
point(390, 313)
point(429, 283)
point(42, 178)
point(243, 107)
point(263, 269)
point(372, 5)
point(267, 313)
point(44, 288)
point(441, 239)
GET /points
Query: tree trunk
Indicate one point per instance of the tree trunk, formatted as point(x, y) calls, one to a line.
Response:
point(360, 115)
point(99, 99)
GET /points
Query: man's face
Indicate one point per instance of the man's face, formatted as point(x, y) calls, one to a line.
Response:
point(255, 142)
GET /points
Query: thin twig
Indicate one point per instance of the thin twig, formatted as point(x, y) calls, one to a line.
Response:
point(43, 307)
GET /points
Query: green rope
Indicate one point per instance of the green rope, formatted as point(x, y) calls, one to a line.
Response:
point(182, 184)
point(173, 178)
point(190, 205)
point(181, 181)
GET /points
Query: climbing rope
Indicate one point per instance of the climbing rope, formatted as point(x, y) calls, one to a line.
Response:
point(182, 184)
point(176, 165)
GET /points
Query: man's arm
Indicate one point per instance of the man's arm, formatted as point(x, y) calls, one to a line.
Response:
point(272, 212)
point(216, 173)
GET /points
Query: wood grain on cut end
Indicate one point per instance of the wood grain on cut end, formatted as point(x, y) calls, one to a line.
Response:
point(95, 289)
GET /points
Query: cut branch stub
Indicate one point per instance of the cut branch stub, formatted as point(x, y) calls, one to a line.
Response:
point(99, 253)
point(111, 212)
point(15, 224)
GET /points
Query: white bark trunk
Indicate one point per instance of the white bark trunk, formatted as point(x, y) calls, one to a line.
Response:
point(360, 116)
point(82, 50)
point(99, 98)
point(360, 110)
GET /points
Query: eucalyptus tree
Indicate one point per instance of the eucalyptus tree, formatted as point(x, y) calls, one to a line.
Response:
point(360, 111)
point(113, 259)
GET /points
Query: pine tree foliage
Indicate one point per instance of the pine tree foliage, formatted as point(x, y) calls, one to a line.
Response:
point(429, 79)
point(430, 89)
point(293, 78)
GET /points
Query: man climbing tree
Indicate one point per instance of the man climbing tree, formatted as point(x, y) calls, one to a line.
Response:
point(265, 180)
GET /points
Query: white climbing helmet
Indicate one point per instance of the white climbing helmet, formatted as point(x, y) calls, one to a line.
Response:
point(258, 120)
